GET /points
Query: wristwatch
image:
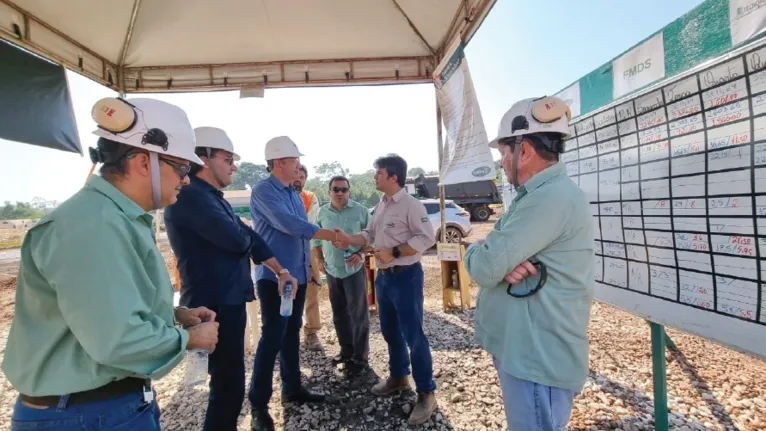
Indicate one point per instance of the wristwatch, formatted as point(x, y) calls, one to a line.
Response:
point(282, 271)
point(396, 252)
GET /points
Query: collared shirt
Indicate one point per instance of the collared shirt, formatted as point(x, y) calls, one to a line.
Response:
point(542, 338)
point(280, 219)
point(213, 247)
point(351, 219)
point(94, 301)
point(398, 220)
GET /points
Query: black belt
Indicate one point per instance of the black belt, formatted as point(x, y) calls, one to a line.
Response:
point(397, 268)
point(109, 390)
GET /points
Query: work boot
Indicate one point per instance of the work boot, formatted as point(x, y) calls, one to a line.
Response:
point(390, 385)
point(312, 342)
point(262, 421)
point(340, 359)
point(355, 369)
point(424, 408)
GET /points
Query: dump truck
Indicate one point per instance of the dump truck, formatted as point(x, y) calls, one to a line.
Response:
point(476, 196)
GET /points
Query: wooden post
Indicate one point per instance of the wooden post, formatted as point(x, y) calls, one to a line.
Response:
point(372, 297)
point(454, 275)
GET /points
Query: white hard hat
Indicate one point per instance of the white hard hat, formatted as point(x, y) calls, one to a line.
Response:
point(213, 137)
point(281, 147)
point(536, 115)
point(153, 125)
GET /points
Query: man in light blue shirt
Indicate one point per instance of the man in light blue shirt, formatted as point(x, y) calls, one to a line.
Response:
point(346, 277)
point(533, 323)
point(280, 219)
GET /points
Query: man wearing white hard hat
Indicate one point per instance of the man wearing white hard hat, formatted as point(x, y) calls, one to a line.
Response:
point(535, 271)
point(214, 248)
point(94, 320)
point(280, 218)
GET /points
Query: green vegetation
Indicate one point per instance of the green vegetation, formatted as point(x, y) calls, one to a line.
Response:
point(27, 210)
point(14, 242)
point(242, 212)
point(21, 210)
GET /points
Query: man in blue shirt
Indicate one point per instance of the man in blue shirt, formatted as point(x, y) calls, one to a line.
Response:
point(213, 248)
point(280, 218)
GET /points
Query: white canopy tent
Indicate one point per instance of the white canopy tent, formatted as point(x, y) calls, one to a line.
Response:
point(139, 46)
point(182, 45)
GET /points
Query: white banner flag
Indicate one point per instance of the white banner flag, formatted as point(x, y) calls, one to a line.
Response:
point(467, 156)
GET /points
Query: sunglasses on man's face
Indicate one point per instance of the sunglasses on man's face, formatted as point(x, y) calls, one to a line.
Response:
point(181, 169)
point(339, 189)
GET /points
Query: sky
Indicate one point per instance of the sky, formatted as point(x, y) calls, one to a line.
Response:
point(523, 49)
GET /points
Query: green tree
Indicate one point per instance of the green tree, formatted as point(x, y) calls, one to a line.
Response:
point(21, 210)
point(414, 172)
point(325, 171)
point(247, 176)
point(319, 187)
point(362, 187)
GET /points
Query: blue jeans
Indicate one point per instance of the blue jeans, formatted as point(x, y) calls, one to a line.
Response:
point(125, 413)
point(279, 335)
point(226, 366)
point(400, 306)
point(533, 407)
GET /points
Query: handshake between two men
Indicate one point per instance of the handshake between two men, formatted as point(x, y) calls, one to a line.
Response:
point(343, 241)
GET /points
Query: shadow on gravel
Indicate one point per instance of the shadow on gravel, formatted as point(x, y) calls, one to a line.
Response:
point(350, 404)
point(448, 331)
point(702, 387)
point(633, 400)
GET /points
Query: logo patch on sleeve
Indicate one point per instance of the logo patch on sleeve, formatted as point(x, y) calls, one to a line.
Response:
point(424, 219)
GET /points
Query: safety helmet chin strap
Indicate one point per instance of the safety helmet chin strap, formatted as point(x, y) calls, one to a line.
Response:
point(217, 178)
point(515, 166)
point(514, 144)
point(156, 190)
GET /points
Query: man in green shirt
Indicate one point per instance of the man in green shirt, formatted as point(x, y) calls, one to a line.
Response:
point(346, 277)
point(537, 337)
point(94, 319)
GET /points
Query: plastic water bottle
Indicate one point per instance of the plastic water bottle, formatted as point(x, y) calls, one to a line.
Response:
point(196, 367)
point(346, 256)
point(286, 308)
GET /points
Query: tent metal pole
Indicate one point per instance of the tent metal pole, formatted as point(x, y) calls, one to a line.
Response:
point(439, 140)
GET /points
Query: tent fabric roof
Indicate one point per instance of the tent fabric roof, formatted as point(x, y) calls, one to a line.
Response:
point(167, 45)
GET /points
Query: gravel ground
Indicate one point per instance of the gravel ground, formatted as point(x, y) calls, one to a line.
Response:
point(710, 387)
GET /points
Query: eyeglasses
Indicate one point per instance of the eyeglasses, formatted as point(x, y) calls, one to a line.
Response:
point(339, 189)
point(181, 169)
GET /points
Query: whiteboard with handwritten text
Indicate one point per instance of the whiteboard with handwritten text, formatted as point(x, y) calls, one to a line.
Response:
point(676, 178)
